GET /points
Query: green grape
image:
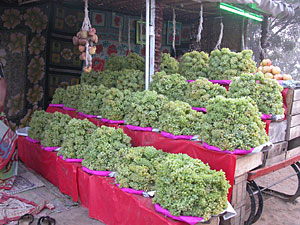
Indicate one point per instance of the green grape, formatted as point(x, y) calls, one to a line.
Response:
point(172, 86)
point(231, 124)
point(194, 65)
point(76, 139)
point(38, 123)
point(143, 108)
point(137, 169)
point(109, 78)
point(58, 97)
point(201, 91)
point(55, 130)
point(115, 63)
point(133, 80)
point(91, 78)
point(135, 62)
point(169, 64)
point(91, 99)
point(178, 118)
point(225, 64)
point(266, 93)
point(188, 187)
point(72, 95)
point(104, 147)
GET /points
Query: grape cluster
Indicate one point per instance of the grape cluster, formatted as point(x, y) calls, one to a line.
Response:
point(231, 124)
point(103, 149)
point(265, 92)
point(115, 63)
point(38, 123)
point(178, 118)
point(76, 139)
point(135, 62)
point(201, 91)
point(133, 80)
point(91, 78)
point(55, 130)
point(72, 95)
point(144, 108)
point(137, 169)
point(172, 86)
point(194, 65)
point(225, 64)
point(187, 186)
point(58, 97)
point(169, 64)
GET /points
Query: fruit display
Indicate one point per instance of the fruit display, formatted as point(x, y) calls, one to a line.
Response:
point(233, 123)
point(172, 86)
point(38, 123)
point(178, 118)
point(194, 65)
point(225, 64)
point(265, 92)
point(55, 130)
point(201, 91)
point(90, 99)
point(169, 64)
point(272, 72)
point(133, 80)
point(72, 96)
point(58, 97)
point(144, 108)
point(137, 169)
point(103, 149)
point(135, 62)
point(92, 78)
point(188, 187)
point(115, 63)
point(76, 138)
point(112, 104)
point(109, 78)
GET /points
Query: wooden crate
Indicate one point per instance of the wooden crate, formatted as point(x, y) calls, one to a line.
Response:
point(276, 154)
point(277, 131)
point(293, 114)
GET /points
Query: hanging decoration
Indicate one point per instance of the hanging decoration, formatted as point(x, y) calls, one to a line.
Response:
point(141, 31)
point(174, 32)
point(218, 45)
point(129, 23)
point(200, 28)
point(120, 33)
point(85, 40)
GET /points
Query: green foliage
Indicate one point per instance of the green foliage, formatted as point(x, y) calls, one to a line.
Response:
point(91, 99)
point(76, 139)
point(187, 186)
point(38, 123)
point(225, 64)
point(201, 91)
point(112, 104)
point(231, 124)
point(194, 65)
point(169, 64)
point(55, 130)
point(72, 95)
point(103, 149)
point(115, 63)
point(135, 62)
point(92, 78)
point(58, 97)
point(178, 118)
point(144, 108)
point(172, 86)
point(133, 80)
point(266, 93)
point(137, 169)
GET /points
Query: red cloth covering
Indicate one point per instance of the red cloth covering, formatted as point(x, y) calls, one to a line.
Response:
point(73, 114)
point(111, 205)
point(50, 166)
point(83, 187)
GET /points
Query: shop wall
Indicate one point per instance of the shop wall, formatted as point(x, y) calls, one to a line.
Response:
point(23, 38)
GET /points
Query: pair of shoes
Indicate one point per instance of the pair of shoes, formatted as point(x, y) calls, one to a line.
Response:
point(46, 220)
point(26, 219)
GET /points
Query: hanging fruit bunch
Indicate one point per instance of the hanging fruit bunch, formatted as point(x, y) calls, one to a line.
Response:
point(85, 40)
point(272, 72)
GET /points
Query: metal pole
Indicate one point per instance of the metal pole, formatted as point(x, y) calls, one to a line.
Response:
point(147, 44)
point(152, 39)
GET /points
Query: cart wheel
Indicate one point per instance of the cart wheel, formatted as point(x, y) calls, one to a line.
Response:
point(257, 191)
point(253, 205)
point(296, 167)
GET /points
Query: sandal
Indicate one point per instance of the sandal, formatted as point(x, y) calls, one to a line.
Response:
point(46, 220)
point(26, 219)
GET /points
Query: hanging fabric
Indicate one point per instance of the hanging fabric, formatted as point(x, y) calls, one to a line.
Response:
point(200, 28)
point(129, 46)
point(174, 32)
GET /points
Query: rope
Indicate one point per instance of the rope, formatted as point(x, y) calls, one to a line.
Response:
point(141, 30)
point(174, 32)
point(86, 22)
point(120, 33)
point(218, 45)
point(129, 46)
point(200, 28)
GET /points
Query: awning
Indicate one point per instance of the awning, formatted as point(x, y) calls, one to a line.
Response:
point(272, 7)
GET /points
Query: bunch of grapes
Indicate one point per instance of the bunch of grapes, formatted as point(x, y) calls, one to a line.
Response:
point(135, 62)
point(38, 123)
point(169, 64)
point(133, 80)
point(115, 63)
point(58, 97)
point(72, 96)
